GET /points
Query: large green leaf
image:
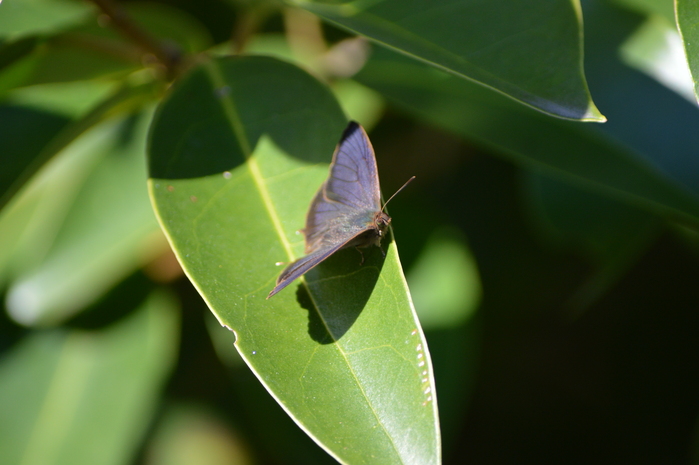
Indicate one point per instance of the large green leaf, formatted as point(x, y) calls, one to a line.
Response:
point(86, 397)
point(575, 152)
point(108, 232)
point(688, 23)
point(530, 51)
point(27, 17)
point(237, 152)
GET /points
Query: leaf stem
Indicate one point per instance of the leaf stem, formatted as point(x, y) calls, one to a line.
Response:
point(167, 54)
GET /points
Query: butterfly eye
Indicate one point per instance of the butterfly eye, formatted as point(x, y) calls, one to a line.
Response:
point(381, 221)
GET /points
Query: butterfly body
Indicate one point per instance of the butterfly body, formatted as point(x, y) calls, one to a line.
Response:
point(346, 211)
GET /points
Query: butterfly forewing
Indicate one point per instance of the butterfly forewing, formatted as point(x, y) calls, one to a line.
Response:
point(349, 198)
point(354, 179)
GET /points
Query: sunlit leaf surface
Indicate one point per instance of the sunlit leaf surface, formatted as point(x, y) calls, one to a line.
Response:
point(237, 152)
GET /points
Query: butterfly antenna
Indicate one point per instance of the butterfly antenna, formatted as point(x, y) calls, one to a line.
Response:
point(396, 193)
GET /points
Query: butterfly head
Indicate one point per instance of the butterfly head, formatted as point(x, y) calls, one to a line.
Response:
point(381, 222)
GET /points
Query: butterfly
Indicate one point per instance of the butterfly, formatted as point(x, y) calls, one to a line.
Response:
point(346, 211)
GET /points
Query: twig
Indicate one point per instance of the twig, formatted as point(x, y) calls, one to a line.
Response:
point(169, 56)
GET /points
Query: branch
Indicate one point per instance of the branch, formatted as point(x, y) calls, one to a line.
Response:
point(167, 55)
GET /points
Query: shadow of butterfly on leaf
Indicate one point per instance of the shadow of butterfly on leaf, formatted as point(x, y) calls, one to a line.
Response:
point(345, 212)
point(340, 289)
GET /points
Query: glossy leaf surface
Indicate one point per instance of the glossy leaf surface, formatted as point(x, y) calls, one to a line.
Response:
point(237, 152)
point(530, 51)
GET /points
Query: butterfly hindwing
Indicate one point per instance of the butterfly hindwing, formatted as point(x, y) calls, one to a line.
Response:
point(301, 267)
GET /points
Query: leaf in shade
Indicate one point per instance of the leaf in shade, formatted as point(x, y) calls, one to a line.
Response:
point(529, 51)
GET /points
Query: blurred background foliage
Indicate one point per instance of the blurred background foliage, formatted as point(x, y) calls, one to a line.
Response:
point(553, 262)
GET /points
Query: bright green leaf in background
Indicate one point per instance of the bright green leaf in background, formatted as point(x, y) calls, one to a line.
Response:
point(529, 51)
point(25, 133)
point(656, 49)
point(688, 24)
point(29, 225)
point(444, 282)
point(190, 434)
point(86, 397)
point(662, 8)
point(55, 270)
point(237, 152)
point(26, 17)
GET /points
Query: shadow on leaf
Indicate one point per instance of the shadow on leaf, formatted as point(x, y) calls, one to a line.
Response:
point(337, 291)
point(194, 134)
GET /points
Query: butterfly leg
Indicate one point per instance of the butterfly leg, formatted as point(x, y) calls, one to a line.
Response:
point(360, 253)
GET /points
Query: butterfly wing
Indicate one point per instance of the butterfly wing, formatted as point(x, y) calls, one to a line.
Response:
point(302, 266)
point(346, 203)
point(343, 208)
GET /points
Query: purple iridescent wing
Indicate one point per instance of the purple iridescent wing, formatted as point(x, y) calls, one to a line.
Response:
point(343, 208)
point(346, 203)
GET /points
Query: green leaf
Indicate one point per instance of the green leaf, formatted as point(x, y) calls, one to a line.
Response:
point(30, 222)
point(657, 50)
point(663, 8)
point(86, 397)
point(444, 281)
point(191, 435)
point(72, 99)
point(88, 51)
point(529, 51)
point(17, 62)
point(31, 17)
point(577, 153)
point(688, 24)
point(237, 152)
point(358, 102)
point(24, 133)
point(109, 231)
point(27, 156)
